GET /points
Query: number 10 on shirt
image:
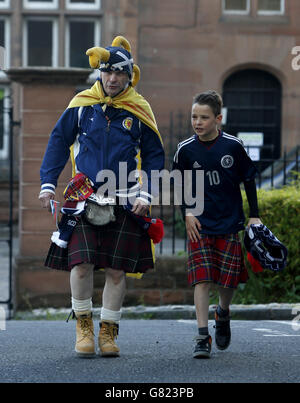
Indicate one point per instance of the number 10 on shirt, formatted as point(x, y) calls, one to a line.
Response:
point(213, 177)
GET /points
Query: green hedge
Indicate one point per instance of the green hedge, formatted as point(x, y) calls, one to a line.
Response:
point(280, 212)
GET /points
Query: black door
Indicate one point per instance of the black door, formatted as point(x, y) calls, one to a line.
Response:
point(253, 101)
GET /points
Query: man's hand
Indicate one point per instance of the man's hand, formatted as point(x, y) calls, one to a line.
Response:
point(140, 207)
point(193, 227)
point(45, 200)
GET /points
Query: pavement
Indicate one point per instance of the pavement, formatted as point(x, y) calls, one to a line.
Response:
point(238, 312)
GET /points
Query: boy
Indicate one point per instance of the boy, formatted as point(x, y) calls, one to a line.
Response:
point(215, 254)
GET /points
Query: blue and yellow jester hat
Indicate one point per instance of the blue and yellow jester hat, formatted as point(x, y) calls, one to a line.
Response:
point(116, 57)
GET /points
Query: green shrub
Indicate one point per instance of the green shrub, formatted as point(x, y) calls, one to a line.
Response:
point(280, 212)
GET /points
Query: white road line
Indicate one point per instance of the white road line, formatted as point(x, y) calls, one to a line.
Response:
point(291, 323)
point(274, 333)
point(281, 335)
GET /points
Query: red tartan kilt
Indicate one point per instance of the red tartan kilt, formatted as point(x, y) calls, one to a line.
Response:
point(121, 245)
point(217, 259)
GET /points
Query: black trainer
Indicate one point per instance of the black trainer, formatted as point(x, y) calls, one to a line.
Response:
point(223, 333)
point(203, 346)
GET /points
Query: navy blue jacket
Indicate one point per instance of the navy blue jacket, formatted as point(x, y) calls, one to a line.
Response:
point(102, 141)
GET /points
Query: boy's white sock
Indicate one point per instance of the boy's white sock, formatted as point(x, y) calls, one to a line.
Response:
point(107, 314)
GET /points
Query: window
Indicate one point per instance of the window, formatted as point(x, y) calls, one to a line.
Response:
point(45, 4)
point(40, 42)
point(77, 44)
point(236, 6)
point(270, 7)
point(4, 45)
point(83, 4)
point(4, 3)
point(4, 123)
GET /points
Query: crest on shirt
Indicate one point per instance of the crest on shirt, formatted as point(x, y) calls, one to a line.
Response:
point(127, 123)
point(227, 161)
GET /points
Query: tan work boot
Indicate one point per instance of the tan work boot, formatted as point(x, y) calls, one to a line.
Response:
point(106, 339)
point(85, 343)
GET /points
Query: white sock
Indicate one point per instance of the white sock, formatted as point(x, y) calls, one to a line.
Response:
point(81, 305)
point(107, 314)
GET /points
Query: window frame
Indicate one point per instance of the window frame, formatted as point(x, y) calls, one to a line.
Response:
point(6, 102)
point(270, 12)
point(235, 12)
point(50, 5)
point(83, 6)
point(97, 35)
point(54, 54)
point(6, 44)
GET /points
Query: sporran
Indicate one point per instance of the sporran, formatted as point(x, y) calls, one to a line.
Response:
point(99, 210)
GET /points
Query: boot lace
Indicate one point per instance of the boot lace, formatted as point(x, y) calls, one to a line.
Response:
point(86, 326)
point(109, 332)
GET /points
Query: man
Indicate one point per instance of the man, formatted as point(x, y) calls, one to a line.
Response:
point(107, 129)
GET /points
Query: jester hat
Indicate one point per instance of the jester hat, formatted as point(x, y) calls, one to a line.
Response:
point(116, 57)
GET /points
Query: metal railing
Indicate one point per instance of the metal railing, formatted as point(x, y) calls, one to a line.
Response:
point(9, 226)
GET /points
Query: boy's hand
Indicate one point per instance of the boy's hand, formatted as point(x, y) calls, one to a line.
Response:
point(193, 227)
point(254, 221)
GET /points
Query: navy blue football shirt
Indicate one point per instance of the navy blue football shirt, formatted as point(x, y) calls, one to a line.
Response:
point(225, 165)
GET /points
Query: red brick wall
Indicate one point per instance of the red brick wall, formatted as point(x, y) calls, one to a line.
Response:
point(42, 105)
point(38, 287)
point(187, 46)
point(45, 93)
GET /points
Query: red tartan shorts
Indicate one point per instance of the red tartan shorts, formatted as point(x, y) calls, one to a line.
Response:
point(217, 259)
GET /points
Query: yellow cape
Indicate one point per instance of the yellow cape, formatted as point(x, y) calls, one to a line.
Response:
point(129, 100)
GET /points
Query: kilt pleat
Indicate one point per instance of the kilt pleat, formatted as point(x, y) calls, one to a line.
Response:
point(217, 259)
point(121, 245)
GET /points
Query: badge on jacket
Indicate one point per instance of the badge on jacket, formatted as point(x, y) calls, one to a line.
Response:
point(127, 123)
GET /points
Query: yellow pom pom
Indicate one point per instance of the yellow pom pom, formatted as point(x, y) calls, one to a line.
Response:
point(96, 56)
point(121, 41)
point(136, 75)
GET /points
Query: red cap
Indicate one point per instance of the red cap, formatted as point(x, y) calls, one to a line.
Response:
point(156, 228)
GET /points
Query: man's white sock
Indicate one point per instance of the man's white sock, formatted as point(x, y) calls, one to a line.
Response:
point(107, 314)
point(82, 305)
